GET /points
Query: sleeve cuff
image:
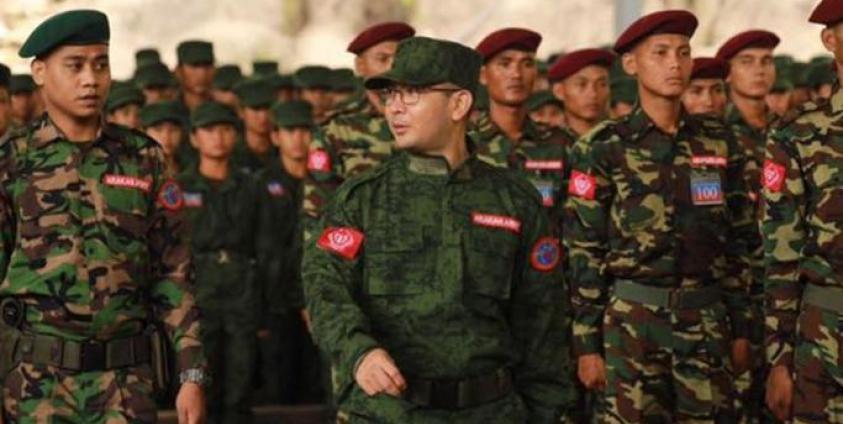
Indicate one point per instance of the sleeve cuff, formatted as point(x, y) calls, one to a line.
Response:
point(584, 345)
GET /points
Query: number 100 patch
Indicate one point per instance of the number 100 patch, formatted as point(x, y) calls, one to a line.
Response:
point(706, 190)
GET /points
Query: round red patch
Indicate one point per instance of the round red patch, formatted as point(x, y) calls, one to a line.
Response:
point(546, 254)
point(170, 195)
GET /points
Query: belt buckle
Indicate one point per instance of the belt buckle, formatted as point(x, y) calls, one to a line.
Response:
point(93, 356)
point(223, 257)
point(12, 312)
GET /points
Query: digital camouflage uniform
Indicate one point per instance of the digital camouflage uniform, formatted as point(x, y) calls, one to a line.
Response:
point(223, 216)
point(453, 272)
point(801, 227)
point(92, 244)
point(647, 210)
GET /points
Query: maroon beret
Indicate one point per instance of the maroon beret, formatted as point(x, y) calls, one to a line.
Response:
point(381, 32)
point(508, 38)
point(745, 40)
point(710, 68)
point(828, 12)
point(664, 22)
point(572, 62)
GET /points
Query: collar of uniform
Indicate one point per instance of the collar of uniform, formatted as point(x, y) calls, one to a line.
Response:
point(836, 100)
point(640, 123)
point(733, 116)
point(46, 131)
point(437, 165)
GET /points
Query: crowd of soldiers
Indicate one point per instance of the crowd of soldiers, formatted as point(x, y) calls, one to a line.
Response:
point(616, 234)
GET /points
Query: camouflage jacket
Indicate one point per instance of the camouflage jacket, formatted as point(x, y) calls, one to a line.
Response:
point(344, 147)
point(656, 209)
point(451, 271)
point(802, 204)
point(92, 237)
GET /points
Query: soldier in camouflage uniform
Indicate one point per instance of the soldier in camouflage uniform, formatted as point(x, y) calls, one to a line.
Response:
point(222, 204)
point(580, 79)
point(92, 249)
point(802, 244)
point(653, 199)
point(706, 92)
point(254, 149)
point(751, 77)
point(434, 285)
point(356, 138)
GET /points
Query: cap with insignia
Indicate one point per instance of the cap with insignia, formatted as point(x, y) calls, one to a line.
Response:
point(574, 61)
point(422, 61)
point(313, 77)
point(154, 75)
point(541, 98)
point(756, 38)
point(827, 12)
point(5, 75)
point(623, 90)
point(387, 31)
point(195, 52)
point(147, 56)
point(255, 93)
point(226, 77)
point(74, 27)
point(295, 113)
point(21, 84)
point(508, 38)
point(264, 67)
point(210, 113)
point(665, 22)
point(156, 113)
point(123, 93)
point(710, 68)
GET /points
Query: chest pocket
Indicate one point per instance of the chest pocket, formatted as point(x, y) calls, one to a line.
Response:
point(396, 263)
point(122, 204)
point(640, 207)
point(489, 258)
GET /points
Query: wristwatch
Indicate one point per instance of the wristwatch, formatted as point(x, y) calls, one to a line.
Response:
point(194, 375)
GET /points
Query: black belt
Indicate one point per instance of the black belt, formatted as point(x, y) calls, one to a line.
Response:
point(42, 349)
point(459, 394)
point(664, 297)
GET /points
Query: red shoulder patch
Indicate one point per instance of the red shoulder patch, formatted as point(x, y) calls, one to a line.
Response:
point(582, 185)
point(718, 161)
point(319, 161)
point(171, 196)
point(496, 221)
point(773, 177)
point(546, 254)
point(343, 241)
point(126, 181)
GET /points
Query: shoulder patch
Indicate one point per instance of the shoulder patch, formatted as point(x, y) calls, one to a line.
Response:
point(170, 195)
point(545, 254)
point(319, 161)
point(276, 189)
point(342, 241)
point(773, 176)
point(127, 181)
point(582, 185)
point(496, 221)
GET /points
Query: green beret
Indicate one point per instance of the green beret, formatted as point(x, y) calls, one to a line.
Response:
point(278, 81)
point(264, 67)
point(541, 98)
point(624, 90)
point(422, 61)
point(154, 75)
point(254, 93)
point(343, 79)
point(145, 57)
point(210, 113)
point(226, 77)
point(819, 74)
point(295, 113)
point(481, 101)
point(21, 83)
point(74, 27)
point(157, 113)
point(5, 75)
point(313, 77)
point(122, 94)
point(195, 52)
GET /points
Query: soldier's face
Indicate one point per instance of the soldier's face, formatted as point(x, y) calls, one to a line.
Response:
point(662, 64)
point(293, 143)
point(423, 124)
point(215, 141)
point(159, 94)
point(705, 97)
point(168, 135)
point(22, 105)
point(320, 99)
point(128, 116)
point(196, 79)
point(256, 120)
point(509, 76)
point(5, 110)
point(779, 102)
point(752, 73)
point(549, 114)
point(585, 93)
point(376, 59)
point(75, 80)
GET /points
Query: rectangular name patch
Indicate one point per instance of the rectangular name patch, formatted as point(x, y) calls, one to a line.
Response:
point(496, 221)
point(126, 181)
point(718, 161)
point(544, 165)
point(706, 191)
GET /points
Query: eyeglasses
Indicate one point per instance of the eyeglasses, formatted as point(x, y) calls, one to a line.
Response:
point(409, 96)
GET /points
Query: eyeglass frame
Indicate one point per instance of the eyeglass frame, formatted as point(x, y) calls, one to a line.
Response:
point(387, 94)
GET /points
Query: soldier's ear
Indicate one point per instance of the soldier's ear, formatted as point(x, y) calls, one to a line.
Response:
point(558, 90)
point(461, 102)
point(630, 64)
point(483, 79)
point(38, 68)
point(359, 65)
point(829, 39)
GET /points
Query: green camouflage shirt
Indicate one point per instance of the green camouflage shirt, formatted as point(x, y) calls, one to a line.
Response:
point(802, 205)
point(453, 272)
point(92, 237)
point(656, 209)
